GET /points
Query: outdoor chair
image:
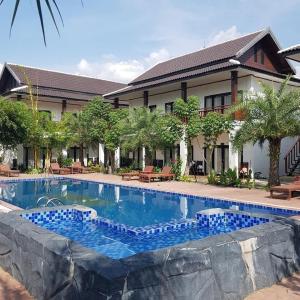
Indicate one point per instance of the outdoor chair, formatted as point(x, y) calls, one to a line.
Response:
point(286, 190)
point(56, 169)
point(164, 174)
point(134, 174)
point(77, 167)
point(5, 170)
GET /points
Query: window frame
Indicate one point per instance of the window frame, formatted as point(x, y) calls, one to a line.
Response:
point(171, 104)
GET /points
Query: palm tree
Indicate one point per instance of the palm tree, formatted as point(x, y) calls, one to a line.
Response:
point(52, 8)
point(270, 116)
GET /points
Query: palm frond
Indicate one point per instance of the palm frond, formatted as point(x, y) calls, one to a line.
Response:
point(39, 3)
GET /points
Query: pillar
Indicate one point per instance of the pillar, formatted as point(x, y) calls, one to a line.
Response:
point(117, 158)
point(233, 154)
point(63, 106)
point(65, 153)
point(183, 153)
point(146, 98)
point(234, 86)
point(234, 92)
point(116, 103)
point(184, 91)
point(101, 154)
point(143, 162)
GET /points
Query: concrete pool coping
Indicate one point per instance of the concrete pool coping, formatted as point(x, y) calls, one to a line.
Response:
point(225, 266)
point(228, 265)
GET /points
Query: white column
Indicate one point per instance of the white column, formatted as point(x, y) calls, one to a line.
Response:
point(143, 162)
point(183, 153)
point(233, 154)
point(101, 154)
point(65, 152)
point(117, 158)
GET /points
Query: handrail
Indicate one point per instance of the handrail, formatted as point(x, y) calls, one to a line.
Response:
point(52, 201)
point(49, 201)
point(292, 157)
point(221, 108)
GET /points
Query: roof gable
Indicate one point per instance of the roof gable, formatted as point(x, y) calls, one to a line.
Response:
point(211, 55)
point(267, 47)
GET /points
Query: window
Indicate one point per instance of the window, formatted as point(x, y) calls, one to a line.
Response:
point(255, 54)
point(262, 57)
point(46, 113)
point(169, 107)
point(152, 108)
point(210, 102)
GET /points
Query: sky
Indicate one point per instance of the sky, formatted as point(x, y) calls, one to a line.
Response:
point(120, 39)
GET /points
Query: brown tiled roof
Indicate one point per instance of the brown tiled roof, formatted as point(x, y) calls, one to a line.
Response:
point(205, 56)
point(64, 82)
point(190, 74)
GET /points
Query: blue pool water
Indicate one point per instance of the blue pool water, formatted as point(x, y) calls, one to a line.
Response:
point(124, 205)
point(119, 245)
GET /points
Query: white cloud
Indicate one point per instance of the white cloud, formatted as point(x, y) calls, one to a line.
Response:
point(1, 66)
point(224, 35)
point(110, 68)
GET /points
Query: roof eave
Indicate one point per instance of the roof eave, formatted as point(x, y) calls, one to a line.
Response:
point(116, 94)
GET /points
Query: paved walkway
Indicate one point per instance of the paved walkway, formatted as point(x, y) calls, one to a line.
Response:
point(10, 289)
point(288, 289)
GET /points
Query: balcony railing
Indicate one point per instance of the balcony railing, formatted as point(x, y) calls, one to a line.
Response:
point(219, 109)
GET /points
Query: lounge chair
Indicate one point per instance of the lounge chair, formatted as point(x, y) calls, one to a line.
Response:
point(165, 174)
point(134, 174)
point(56, 169)
point(5, 170)
point(77, 167)
point(286, 189)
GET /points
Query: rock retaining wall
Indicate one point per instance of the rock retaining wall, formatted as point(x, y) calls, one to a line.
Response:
point(228, 266)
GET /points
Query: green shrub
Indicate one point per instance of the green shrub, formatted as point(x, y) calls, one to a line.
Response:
point(212, 177)
point(176, 168)
point(157, 170)
point(185, 178)
point(227, 178)
point(34, 171)
point(98, 169)
point(121, 171)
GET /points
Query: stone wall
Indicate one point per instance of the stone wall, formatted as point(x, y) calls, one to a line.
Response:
point(228, 266)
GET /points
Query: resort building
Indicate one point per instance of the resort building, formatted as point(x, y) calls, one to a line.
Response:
point(218, 75)
point(56, 93)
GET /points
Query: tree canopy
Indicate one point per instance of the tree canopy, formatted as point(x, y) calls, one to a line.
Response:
point(270, 116)
point(14, 123)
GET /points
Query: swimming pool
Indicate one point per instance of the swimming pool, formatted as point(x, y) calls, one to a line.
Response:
point(134, 212)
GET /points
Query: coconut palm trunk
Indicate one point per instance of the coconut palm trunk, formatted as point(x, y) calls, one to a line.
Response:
point(274, 156)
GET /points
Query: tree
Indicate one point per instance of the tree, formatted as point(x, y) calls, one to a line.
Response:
point(114, 131)
point(211, 127)
point(14, 123)
point(269, 116)
point(98, 123)
point(140, 131)
point(52, 8)
point(188, 114)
